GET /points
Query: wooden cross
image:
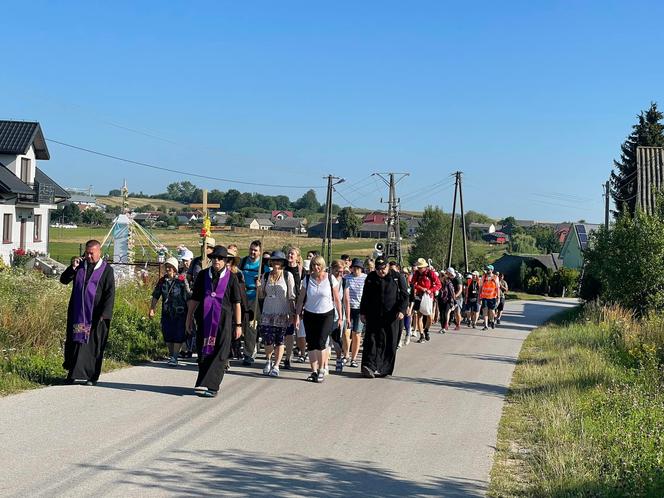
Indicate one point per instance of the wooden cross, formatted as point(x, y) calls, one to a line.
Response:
point(206, 227)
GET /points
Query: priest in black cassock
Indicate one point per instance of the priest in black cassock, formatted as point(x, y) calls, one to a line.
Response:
point(383, 305)
point(88, 315)
point(215, 305)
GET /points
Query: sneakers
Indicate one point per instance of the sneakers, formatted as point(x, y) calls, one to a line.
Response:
point(339, 367)
point(173, 361)
point(427, 337)
point(301, 359)
point(274, 372)
point(367, 373)
point(421, 339)
point(407, 341)
point(485, 328)
point(354, 364)
point(248, 361)
point(287, 365)
point(321, 375)
point(493, 325)
point(498, 321)
point(267, 368)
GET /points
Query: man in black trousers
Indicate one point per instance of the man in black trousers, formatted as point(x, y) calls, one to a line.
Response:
point(383, 305)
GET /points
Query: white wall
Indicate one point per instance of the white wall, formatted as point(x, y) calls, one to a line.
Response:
point(13, 163)
point(30, 245)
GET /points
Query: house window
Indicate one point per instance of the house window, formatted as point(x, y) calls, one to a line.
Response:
point(7, 228)
point(36, 236)
point(25, 170)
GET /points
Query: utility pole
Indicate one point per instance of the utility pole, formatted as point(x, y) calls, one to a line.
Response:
point(458, 188)
point(327, 234)
point(463, 225)
point(393, 243)
point(606, 204)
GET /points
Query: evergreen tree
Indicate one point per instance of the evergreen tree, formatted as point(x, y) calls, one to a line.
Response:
point(349, 222)
point(432, 239)
point(648, 132)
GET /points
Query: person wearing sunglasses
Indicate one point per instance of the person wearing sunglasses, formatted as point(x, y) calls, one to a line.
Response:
point(215, 305)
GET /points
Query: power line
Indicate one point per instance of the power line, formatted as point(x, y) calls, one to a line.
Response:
point(187, 173)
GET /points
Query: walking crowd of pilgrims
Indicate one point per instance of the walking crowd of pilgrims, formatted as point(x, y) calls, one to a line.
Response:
point(296, 310)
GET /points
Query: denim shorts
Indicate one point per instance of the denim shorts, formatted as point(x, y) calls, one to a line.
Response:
point(355, 322)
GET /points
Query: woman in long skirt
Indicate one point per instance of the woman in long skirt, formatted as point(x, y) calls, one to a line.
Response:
point(277, 290)
point(173, 290)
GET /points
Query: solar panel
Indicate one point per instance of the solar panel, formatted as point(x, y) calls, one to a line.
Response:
point(583, 237)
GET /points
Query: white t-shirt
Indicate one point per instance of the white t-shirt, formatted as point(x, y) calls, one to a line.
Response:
point(319, 295)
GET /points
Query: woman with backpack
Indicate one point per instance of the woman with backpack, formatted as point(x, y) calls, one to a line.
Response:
point(277, 290)
point(319, 298)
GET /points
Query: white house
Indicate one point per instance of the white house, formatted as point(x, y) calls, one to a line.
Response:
point(258, 223)
point(27, 194)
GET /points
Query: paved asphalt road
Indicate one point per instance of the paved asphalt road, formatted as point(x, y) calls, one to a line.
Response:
point(427, 431)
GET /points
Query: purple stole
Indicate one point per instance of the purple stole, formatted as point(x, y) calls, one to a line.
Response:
point(212, 310)
point(84, 301)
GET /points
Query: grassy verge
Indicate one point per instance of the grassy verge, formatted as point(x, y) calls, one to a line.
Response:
point(524, 296)
point(585, 412)
point(33, 315)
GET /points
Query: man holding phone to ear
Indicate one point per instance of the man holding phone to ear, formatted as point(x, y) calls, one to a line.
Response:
point(88, 315)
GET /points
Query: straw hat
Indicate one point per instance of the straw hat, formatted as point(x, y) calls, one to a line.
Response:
point(421, 263)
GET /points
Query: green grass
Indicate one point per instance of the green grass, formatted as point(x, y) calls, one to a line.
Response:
point(524, 296)
point(585, 411)
point(31, 340)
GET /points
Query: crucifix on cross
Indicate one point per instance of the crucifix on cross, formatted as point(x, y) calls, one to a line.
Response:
point(207, 227)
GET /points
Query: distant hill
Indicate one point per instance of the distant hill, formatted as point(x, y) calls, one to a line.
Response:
point(135, 202)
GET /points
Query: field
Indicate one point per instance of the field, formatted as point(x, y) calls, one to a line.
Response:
point(135, 202)
point(65, 243)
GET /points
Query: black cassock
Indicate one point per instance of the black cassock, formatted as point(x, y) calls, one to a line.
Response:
point(211, 368)
point(83, 361)
point(382, 300)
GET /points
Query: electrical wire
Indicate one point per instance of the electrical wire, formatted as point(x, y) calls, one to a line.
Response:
point(188, 173)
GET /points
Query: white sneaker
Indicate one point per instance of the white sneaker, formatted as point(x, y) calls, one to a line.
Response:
point(321, 375)
point(274, 372)
point(173, 361)
point(407, 341)
point(267, 368)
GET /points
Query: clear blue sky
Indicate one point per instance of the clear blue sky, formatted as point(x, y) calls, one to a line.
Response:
point(530, 99)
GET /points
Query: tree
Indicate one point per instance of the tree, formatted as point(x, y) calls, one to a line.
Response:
point(93, 216)
point(403, 229)
point(648, 132)
point(509, 226)
point(545, 239)
point(236, 220)
point(523, 244)
point(432, 239)
point(71, 214)
point(114, 193)
point(349, 222)
point(632, 251)
point(307, 202)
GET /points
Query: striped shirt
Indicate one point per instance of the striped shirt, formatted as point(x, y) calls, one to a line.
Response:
point(355, 285)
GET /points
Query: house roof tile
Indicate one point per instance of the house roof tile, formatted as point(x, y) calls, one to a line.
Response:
point(11, 184)
point(17, 136)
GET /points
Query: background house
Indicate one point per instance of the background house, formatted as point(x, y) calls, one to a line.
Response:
point(83, 201)
point(27, 194)
point(510, 264)
point(575, 243)
point(281, 215)
point(292, 225)
point(258, 223)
